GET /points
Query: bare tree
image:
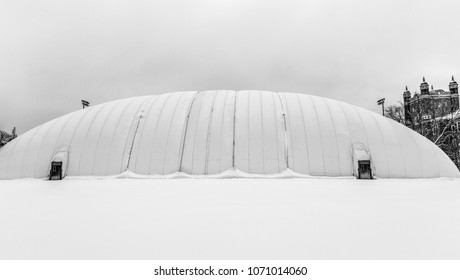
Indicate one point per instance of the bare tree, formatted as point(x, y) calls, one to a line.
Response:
point(395, 112)
point(6, 137)
point(449, 143)
point(439, 124)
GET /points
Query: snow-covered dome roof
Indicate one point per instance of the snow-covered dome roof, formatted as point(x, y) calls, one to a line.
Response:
point(210, 132)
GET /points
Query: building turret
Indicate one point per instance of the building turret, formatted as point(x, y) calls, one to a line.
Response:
point(406, 94)
point(424, 87)
point(453, 86)
point(407, 115)
point(454, 102)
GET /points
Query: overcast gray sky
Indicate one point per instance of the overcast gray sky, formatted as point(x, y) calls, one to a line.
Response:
point(55, 53)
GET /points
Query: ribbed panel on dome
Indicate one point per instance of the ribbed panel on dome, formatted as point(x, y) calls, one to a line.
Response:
point(211, 132)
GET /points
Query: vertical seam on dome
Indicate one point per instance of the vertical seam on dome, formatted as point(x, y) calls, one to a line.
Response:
point(41, 144)
point(350, 135)
point(286, 149)
point(272, 94)
point(78, 124)
point(400, 146)
point(335, 134)
point(113, 135)
point(262, 130)
point(196, 131)
point(134, 139)
point(383, 141)
point(234, 129)
point(139, 109)
point(141, 133)
point(208, 135)
point(320, 135)
point(418, 149)
point(59, 137)
point(368, 144)
point(21, 166)
point(362, 125)
point(288, 132)
point(73, 134)
point(249, 144)
point(100, 133)
point(184, 133)
point(87, 131)
point(305, 133)
point(221, 138)
point(156, 129)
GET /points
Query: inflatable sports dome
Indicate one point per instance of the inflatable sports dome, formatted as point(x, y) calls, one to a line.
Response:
point(202, 133)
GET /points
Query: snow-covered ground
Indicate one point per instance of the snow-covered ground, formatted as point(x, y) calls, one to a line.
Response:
point(230, 219)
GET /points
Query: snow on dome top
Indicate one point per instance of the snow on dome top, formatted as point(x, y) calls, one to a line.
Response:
point(212, 132)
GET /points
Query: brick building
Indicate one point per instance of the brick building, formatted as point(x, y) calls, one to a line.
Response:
point(420, 109)
point(435, 114)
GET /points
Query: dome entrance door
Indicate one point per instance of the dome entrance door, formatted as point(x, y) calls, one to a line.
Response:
point(364, 169)
point(59, 163)
point(56, 170)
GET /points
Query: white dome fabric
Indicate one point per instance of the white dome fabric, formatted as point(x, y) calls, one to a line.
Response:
point(210, 132)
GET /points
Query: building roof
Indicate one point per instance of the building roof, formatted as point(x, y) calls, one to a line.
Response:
point(210, 132)
point(438, 92)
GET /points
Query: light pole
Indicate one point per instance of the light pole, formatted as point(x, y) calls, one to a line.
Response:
point(84, 103)
point(382, 102)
